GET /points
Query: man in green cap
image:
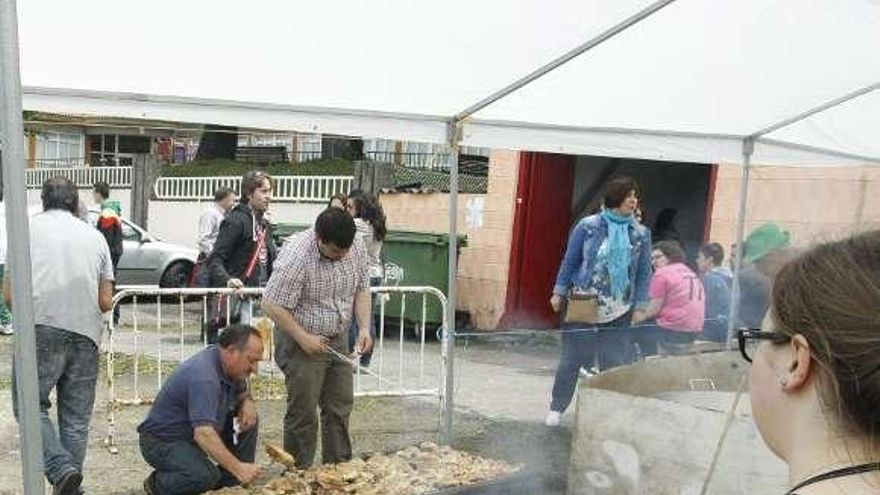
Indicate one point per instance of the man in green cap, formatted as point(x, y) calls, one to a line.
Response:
point(765, 251)
point(769, 248)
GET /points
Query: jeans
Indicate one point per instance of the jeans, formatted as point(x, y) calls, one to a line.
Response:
point(353, 328)
point(314, 381)
point(183, 468)
point(582, 347)
point(68, 363)
point(672, 342)
point(5, 315)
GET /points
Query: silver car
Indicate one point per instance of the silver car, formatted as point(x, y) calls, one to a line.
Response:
point(146, 260)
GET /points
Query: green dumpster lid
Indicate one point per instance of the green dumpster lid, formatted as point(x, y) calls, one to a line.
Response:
point(285, 229)
point(422, 237)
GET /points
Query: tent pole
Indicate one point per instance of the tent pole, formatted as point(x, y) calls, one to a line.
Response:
point(817, 109)
point(565, 58)
point(748, 150)
point(448, 406)
point(18, 263)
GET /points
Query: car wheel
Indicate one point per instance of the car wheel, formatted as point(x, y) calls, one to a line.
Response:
point(176, 276)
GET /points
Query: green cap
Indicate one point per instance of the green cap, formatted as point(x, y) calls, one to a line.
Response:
point(765, 239)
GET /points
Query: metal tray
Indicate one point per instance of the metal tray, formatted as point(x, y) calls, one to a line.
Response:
point(522, 482)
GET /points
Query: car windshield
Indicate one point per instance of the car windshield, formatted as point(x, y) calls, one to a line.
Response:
point(129, 231)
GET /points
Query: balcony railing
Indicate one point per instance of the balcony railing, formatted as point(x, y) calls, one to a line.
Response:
point(83, 177)
point(292, 188)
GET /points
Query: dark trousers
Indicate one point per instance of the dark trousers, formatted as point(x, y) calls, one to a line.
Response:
point(668, 342)
point(609, 345)
point(183, 468)
point(312, 382)
point(68, 363)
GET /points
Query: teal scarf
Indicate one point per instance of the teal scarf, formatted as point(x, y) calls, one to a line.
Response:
point(619, 251)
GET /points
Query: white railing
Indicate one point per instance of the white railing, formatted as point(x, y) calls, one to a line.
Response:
point(81, 176)
point(293, 188)
point(151, 343)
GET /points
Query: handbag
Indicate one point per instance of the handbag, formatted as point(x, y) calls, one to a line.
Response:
point(582, 307)
point(227, 310)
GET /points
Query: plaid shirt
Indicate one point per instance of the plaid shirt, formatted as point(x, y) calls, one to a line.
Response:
point(320, 293)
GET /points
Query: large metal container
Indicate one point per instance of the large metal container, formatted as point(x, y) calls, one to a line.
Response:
point(654, 428)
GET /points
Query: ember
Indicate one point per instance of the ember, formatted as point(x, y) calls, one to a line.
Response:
point(416, 470)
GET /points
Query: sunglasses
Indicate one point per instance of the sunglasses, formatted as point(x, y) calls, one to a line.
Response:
point(750, 338)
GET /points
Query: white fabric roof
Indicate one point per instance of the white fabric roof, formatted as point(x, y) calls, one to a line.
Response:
point(687, 83)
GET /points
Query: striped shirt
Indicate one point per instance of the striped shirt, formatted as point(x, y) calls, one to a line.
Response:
point(318, 292)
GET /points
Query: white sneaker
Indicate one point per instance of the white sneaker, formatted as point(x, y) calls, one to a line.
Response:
point(553, 419)
point(588, 372)
point(5, 329)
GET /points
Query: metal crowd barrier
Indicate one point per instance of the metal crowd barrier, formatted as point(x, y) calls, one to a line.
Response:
point(409, 376)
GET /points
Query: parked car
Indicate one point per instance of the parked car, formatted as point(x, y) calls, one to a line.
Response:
point(146, 260)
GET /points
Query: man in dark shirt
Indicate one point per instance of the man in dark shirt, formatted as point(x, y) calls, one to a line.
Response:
point(243, 253)
point(203, 413)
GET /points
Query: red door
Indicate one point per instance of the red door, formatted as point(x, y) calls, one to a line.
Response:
point(540, 232)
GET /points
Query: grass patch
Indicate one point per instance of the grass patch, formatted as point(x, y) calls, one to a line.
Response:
point(220, 168)
point(123, 365)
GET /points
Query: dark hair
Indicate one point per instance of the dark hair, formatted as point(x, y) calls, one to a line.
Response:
point(367, 207)
point(830, 295)
point(251, 181)
point(672, 250)
point(237, 336)
point(665, 219)
point(714, 252)
point(222, 193)
point(618, 189)
point(103, 189)
point(335, 226)
point(338, 197)
point(60, 194)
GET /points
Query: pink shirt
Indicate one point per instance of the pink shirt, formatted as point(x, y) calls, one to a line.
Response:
point(684, 305)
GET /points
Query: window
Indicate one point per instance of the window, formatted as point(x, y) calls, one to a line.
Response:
point(130, 233)
point(308, 146)
point(116, 150)
point(59, 149)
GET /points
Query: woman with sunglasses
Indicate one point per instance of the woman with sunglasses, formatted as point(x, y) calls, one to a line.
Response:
point(815, 373)
point(677, 308)
point(369, 219)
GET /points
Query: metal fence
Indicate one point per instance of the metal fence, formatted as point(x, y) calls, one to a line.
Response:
point(159, 334)
point(428, 161)
point(81, 176)
point(60, 162)
point(292, 188)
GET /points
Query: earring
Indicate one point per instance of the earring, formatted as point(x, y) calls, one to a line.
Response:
point(783, 382)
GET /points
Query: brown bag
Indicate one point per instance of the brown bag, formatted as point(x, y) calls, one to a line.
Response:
point(582, 308)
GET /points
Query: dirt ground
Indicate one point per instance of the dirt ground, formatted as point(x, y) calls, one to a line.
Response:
point(377, 424)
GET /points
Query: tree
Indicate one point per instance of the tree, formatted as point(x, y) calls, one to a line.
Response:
point(218, 142)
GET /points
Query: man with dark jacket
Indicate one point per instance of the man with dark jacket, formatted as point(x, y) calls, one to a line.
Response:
point(244, 250)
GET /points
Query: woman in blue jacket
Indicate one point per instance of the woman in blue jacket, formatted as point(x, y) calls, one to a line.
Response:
point(607, 267)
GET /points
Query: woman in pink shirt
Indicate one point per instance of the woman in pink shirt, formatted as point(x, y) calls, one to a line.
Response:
point(678, 302)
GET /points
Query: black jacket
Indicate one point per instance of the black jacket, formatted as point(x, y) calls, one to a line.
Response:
point(234, 247)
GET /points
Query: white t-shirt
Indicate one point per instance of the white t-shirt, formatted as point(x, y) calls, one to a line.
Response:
point(68, 258)
point(374, 246)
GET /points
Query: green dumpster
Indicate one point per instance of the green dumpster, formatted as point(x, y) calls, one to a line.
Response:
point(417, 259)
point(411, 259)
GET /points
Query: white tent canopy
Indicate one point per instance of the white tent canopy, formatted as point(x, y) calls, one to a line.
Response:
point(689, 82)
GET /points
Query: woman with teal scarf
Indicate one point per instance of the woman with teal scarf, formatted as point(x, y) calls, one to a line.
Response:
point(607, 266)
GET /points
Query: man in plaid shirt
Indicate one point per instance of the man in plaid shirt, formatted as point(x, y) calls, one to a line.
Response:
point(320, 276)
